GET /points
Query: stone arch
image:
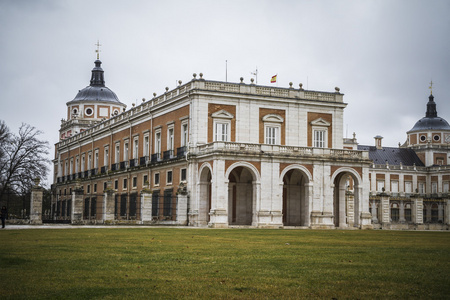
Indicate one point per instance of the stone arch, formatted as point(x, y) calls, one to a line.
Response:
point(243, 193)
point(204, 187)
point(346, 197)
point(296, 182)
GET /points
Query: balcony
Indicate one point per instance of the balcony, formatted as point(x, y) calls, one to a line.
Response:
point(124, 165)
point(181, 152)
point(104, 170)
point(115, 167)
point(94, 172)
point(86, 174)
point(167, 154)
point(156, 157)
point(143, 160)
point(133, 162)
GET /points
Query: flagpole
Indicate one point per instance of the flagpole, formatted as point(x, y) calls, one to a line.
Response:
point(226, 70)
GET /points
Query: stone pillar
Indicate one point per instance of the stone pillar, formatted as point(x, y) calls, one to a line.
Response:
point(146, 207)
point(77, 206)
point(447, 212)
point(350, 208)
point(385, 210)
point(37, 194)
point(418, 211)
point(182, 209)
point(108, 206)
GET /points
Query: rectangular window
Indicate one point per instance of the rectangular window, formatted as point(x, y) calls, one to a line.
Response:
point(96, 160)
point(125, 151)
point(170, 139)
point(77, 162)
point(319, 138)
point(145, 180)
point(183, 175)
point(88, 188)
point(106, 157)
point(83, 161)
point(90, 161)
point(421, 188)
point(408, 187)
point(156, 178)
point(135, 147)
point(117, 156)
point(105, 185)
point(169, 177)
point(158, 142)
point(184, 134)
point(380, 186)
point(434, 187)
point(222, 132)
point(125, 184)
point(134, 182)
point(95, 188)
point(445, 187)
point(394, 187)
point(272, 135)
point(146, 145)
point(116, 184)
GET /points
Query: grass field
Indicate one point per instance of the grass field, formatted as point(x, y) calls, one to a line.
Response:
point(169, 263)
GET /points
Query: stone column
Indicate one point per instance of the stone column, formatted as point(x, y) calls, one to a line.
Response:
point(108, 206)
point(37, 194)
point(350, 208)
point(447, 212)
point(385, 210)
point(418, 210)
point(146, 207)
point(77, 206)
point(182, 203)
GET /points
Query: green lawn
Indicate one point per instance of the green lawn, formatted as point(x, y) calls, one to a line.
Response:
point(169, 263)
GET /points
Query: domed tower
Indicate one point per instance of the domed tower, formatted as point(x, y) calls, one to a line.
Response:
point(91, 105)
point(430, 137)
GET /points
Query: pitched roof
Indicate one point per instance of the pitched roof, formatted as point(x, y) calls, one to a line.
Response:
point(393, 156)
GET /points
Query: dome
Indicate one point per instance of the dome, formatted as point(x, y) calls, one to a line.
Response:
point(427, 123)
point(96, 91)
point(431, 121)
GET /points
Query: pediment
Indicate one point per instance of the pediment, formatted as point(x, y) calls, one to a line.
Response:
point(222, 114)
point(320, 122)
point(273, 118)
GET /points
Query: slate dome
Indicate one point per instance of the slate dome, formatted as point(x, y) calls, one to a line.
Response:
point(96, 91)
point(431, 121)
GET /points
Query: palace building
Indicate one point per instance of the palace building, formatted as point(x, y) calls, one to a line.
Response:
point(221, 154)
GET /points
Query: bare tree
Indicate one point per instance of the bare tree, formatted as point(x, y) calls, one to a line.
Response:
point(23, 157)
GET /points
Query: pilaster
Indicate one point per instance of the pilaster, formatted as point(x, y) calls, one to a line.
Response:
point(146, 206)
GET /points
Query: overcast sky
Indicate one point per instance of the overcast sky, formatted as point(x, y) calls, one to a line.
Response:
point(381, 54)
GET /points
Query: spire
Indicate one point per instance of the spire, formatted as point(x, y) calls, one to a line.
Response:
point(431, 105)
point(97, 75)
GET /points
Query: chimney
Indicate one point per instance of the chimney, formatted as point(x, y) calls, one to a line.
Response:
point(378, 143)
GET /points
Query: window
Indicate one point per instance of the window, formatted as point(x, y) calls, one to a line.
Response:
point(95, 188)
point(116, 184)
point(66, 168)
point(170, 138)
point(272, 135)
point(83, 161)
point(221, 125)
point(421, 188)
point(145, 180)
point(125, 151)
point(320, 138)
point(106, 157)
point(135, 147)
point(125, 184)
point(169, 177)
point(88, 189)
point(395, 212)
point(445, 187)
point(156, 178)
point(183, 175)
point(71, 166)
point(380, 185)
point(434, 187)
point(96, 160)
point(77, 162)
point(408, 187)
point(408, 216)
point(394, 187)
point(146, 145)
point(423, 138)
point(134, 182)
point(90, 161)
point(221, 132)
point(184, 134)
point(158, 141)
point(117, 156)
point(105, 186)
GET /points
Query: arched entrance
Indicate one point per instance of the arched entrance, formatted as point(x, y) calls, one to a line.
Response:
point(241, 194)
point(295, 198)
point(204, 196)
point(346, 199)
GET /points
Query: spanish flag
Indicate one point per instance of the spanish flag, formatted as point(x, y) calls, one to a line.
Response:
point(273, 79)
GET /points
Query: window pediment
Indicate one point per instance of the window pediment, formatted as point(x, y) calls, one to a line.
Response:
point(320, 122)
point(273, 118)
point(222, 114)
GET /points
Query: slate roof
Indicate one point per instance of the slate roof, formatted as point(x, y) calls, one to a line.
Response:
point(394, 156)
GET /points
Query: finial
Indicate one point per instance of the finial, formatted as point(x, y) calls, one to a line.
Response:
point(431, 87)
point(98, 49)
